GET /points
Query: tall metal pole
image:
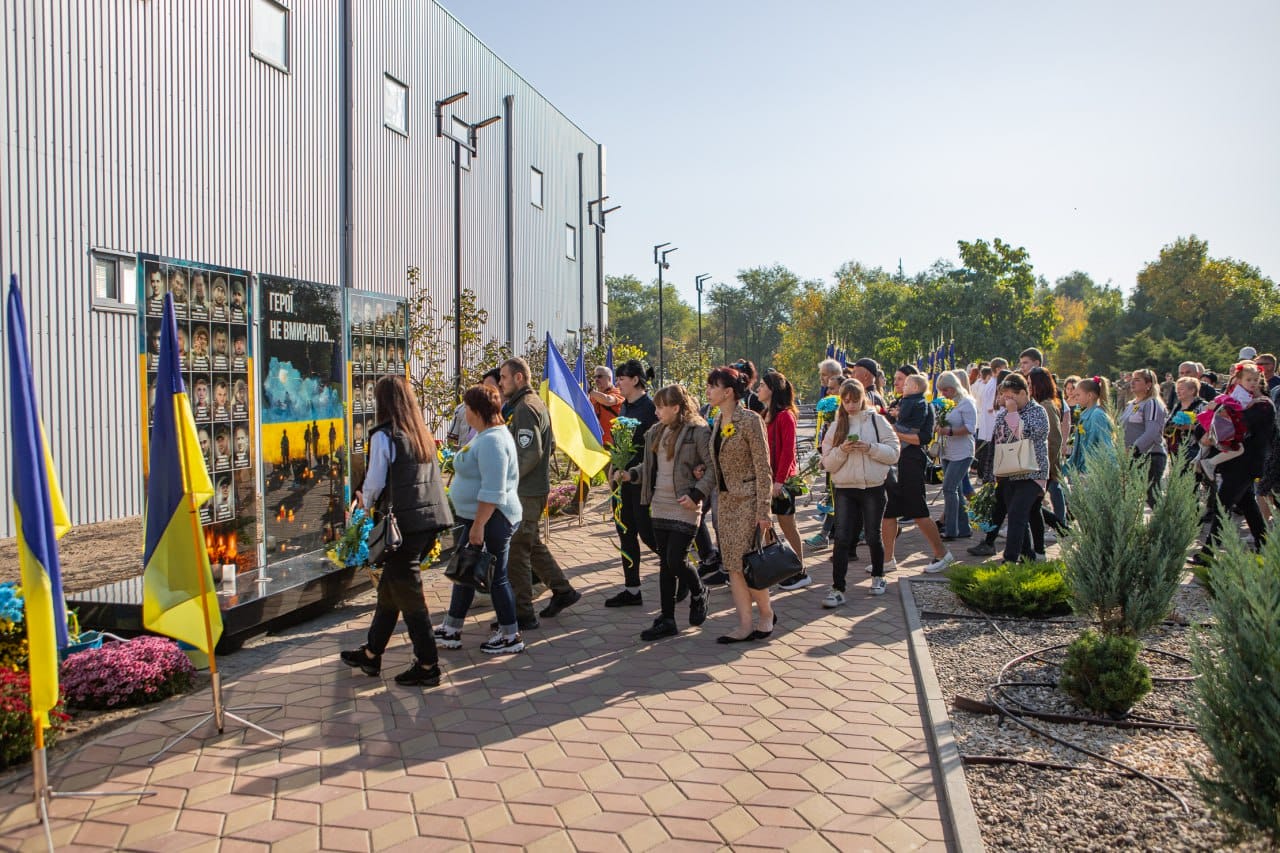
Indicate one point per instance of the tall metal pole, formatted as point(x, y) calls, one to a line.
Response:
point(457, 270)
point(698, 284)
point(662, 367)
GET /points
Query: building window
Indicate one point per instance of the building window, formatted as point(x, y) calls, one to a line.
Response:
point(535, 187)
point(571, 242)
point(269, 32)
point(461, 130)
point(395, 105)
point(114, 280)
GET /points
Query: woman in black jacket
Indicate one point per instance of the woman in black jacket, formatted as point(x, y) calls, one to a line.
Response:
point(633, 522)
point(402, 466)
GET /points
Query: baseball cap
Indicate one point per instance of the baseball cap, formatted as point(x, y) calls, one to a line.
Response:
point(868, 364)
point(1248, 352)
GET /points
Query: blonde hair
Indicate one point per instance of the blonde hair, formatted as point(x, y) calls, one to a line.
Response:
point(686, 413)
point(1148, 376)
point(920, 383)
point(1188, 382)
point(953, 379)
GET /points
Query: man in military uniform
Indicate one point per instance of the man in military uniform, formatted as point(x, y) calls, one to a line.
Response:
point(530, 426)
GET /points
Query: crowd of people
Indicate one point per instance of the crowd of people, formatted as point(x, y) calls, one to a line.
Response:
point(731, 466)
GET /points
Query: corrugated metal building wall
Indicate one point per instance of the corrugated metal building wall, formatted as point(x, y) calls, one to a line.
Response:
point(138, 126)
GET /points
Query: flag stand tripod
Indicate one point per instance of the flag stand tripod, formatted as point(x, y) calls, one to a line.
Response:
point(44, 792)
point(219, 715)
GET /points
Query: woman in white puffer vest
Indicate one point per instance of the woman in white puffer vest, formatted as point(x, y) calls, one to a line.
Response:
point(858, 451)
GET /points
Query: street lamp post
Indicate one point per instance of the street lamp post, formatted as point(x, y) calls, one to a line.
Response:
point(660, 258)
point(597, 222)
point(697, 283)
point(460, 143)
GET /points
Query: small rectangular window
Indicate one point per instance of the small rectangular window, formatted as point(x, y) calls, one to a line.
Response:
point(114, 284)
point(461, 130)
point(269, 32)
point(395, 105)
point(571, 242)
point(535, 187)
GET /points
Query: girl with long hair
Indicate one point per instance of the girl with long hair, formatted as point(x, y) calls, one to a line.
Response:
point(1045, 392)
point(1093, 427)
point(678, 446)
point(403, 478)
point(857, 451)
point(741, 473)
point(1144, 418)
point(780, 422)
point(958, 428)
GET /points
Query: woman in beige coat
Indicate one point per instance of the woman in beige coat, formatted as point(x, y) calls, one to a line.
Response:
point(741, 472)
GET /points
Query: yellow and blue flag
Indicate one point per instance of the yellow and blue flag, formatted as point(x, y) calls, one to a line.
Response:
point(573, 420)
point(40, 517)
point(176, 572)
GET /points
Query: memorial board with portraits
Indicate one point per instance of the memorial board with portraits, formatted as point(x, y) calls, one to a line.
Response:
point(377, 346)
point(212, 308)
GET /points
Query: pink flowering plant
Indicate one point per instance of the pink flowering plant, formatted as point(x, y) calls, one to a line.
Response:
point(561, 498)
point(118, 675)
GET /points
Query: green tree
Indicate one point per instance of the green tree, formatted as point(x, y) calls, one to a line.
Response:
point(633, 314)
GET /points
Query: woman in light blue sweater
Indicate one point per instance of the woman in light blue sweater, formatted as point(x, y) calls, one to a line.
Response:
point(485, 503)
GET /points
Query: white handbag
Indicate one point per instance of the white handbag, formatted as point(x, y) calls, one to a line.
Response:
point(1016, 457)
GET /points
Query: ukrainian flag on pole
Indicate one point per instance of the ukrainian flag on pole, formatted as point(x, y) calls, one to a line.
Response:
point(178, 597)
point(41, 519)
point(573, 421)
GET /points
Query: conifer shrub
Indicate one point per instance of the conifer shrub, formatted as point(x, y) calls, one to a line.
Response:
point(1236, 705)
point(1013, 589)
point(1102, 673)
point(1123, 569)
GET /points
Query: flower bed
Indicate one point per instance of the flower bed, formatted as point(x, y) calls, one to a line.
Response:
point(16, 730)
point(137, 672)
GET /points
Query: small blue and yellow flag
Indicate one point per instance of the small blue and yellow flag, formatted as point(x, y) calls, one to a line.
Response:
point(573, 420)
point(40, 517)
point(174, 555)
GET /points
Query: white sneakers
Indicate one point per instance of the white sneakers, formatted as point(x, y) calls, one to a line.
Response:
point(889, 566)
point(834, 599)
point(940, 563)
point(877, 586)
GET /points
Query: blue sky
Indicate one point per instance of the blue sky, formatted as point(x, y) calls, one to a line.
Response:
point(812, 133)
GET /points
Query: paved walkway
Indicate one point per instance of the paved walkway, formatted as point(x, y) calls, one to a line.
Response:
point(590, 740)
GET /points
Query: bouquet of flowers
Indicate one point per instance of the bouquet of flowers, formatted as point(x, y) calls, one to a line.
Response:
point(353, 548)
point(624, 442)
point(944, 405)
point(444, 456)
point(825, 410)
point(982, 505)
point(798, 484)
point(13, 627)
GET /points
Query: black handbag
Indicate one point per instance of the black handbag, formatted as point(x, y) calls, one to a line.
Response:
point(471, 566)
point(385, 537)
point(890, 479)
point(767, 563)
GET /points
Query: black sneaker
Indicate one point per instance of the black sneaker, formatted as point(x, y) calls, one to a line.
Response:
point(626, 598)
point(500, 644)
point(524, 625)
point(716, 578)
point(710, 568)
point(362, 662)
point(420, 676)
point(560, 601)
point(698, 609)
point(660, 629)
point(799, 581)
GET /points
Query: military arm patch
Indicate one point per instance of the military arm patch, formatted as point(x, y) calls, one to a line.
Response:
point(524, 438)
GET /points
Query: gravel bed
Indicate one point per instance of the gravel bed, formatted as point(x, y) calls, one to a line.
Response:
point(1025, 808)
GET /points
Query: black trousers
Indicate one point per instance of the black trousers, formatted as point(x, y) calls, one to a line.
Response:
point(400, 594)
point(1157, 462)
point(672, 548)
point(857, 509)
point(1021, 498)
point(636, 526)
point(708, 553)
point(1236, 492)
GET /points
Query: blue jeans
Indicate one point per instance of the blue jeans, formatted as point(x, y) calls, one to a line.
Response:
point(1059, 501)
point(953, 480)
point(497, 541)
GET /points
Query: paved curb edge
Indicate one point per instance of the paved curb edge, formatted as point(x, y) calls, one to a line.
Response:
point(957, 807)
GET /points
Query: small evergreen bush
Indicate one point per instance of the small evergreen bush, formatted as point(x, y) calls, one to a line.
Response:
point(118, 675)
point(17, 732)
point(1124, 569)
point(1237, 695)
point(1103, 673)
point(1014, 589)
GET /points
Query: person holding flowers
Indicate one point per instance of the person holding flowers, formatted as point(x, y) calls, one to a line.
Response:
point(1092, 427)
point(824, 413)
point(780, 421)
point(857, 452)
point(484, 494)
point(959, 423)
point(675, 482)
point(630, 517)
point(1181, 423)
point(742, 476)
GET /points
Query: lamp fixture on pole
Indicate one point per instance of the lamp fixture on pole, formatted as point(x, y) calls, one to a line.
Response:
point(597, 221)
point(660, 258)
point(697, 283)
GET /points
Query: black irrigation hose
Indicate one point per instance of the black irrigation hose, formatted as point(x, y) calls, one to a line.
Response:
point(974, 706)
point(992, 760)
point(999, 686)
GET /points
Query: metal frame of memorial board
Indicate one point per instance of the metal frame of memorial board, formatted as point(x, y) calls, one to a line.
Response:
point(215, 309)
point(374, 321)
point(303, 415)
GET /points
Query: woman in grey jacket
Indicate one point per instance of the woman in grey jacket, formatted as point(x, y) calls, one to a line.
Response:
point(1143, 420)
point(858, 452)
point(677, 446)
